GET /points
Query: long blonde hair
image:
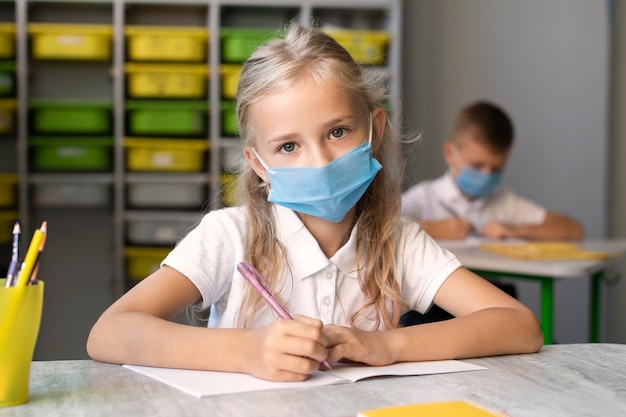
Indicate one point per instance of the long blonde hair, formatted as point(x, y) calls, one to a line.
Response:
point(273, 68)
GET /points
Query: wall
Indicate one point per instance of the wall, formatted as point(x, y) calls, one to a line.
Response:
point(78, 281)
point(547, 64)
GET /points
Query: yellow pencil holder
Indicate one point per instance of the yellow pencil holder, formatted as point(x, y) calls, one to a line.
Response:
point(20, 316)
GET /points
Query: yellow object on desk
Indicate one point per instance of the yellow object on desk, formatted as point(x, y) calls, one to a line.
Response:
point(543, 251)
point(20, 318)
point(439, 409)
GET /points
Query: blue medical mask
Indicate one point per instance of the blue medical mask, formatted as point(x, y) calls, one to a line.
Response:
point(477, 184)
point(327, 192)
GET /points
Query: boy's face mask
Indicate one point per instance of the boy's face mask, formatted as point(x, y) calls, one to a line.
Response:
point(327, 192)
point(477, 184)
point(473, 182)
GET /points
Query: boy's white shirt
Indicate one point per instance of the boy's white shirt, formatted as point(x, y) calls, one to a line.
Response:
point(435, 199)
point(320, 287)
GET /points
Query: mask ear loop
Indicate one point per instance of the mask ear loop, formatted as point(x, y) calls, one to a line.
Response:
point(370, 135)
point(266, 184)
point(259, 158)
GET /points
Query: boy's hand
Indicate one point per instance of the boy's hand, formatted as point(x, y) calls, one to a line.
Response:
point(497, 230)
point(357, 346)
point(286, 350)
point(455, 228)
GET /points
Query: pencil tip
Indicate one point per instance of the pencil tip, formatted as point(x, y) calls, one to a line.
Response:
point(16, 227)
point(44, 226)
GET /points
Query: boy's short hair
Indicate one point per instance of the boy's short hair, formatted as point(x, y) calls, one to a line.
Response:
point(494, 126)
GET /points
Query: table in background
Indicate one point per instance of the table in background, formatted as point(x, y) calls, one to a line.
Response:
point(559, 381)
point(545, 272)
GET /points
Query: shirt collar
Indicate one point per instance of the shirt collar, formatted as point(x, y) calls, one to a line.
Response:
point(304, 254)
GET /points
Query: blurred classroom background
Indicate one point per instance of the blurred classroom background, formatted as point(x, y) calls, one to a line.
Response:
point(117, 123)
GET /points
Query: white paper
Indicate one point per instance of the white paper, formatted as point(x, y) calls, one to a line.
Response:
point(208, 383)
point(356, 372)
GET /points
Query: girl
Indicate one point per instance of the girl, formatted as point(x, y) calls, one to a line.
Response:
point(321, 223)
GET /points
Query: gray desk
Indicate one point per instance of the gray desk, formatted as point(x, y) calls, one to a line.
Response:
point(561, 380)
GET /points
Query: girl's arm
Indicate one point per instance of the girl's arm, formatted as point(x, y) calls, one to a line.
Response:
point(137, 329)
point(487, 322)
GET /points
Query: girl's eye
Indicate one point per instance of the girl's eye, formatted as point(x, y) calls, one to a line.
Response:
point(288, 147)
point(338, 133)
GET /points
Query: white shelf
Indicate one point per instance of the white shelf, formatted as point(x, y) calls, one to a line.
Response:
point(213, 14)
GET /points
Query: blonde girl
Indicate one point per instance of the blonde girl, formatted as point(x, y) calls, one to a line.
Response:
point(319, 218)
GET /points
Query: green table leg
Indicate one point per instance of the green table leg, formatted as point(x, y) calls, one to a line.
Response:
point(594, 310)
point(547, 295)
point(547, 316)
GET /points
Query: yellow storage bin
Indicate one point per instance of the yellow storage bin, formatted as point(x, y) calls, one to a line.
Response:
point(165, 154)
point(166, 43)
point(229, 189)
point(8, 183)
point(7, 221)
point(230, 80)
point(7, 115)
point(167, 80)
point(142, 261)
point(71, 41)
point(7, 40)
point(365, 46)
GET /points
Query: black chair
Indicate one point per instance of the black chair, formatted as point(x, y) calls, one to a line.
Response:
point(436, 313)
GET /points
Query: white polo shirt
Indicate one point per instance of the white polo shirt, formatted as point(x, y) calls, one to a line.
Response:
point(441, 198)
point(317, 286)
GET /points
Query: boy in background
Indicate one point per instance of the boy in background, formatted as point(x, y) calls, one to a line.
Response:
point(467, 200)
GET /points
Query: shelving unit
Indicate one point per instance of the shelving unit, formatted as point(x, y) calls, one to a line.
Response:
point(114, 202)
point(8, 131)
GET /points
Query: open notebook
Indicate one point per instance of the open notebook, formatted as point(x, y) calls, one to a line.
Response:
point(207, 383)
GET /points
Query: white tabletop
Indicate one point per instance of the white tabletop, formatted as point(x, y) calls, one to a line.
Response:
point(471, 256)
point(560, 381)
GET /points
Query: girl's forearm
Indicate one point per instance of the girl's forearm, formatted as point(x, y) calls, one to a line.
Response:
point(488, 332)
point(142, 339)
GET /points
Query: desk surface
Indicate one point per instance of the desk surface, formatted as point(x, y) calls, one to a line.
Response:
point(472, 257)
point(561, 380)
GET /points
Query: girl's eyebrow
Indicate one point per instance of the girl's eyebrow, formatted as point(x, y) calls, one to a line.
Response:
point(280, 138)
point(342, 119)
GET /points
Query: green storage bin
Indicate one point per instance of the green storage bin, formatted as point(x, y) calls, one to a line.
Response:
point(229, 119)
point(7, 79)
point(71, 117)
point(239, 43)
point(167, 118)
point(71, 154)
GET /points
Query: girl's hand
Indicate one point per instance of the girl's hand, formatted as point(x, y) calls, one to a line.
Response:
point(371, 348)
point(286, 350)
